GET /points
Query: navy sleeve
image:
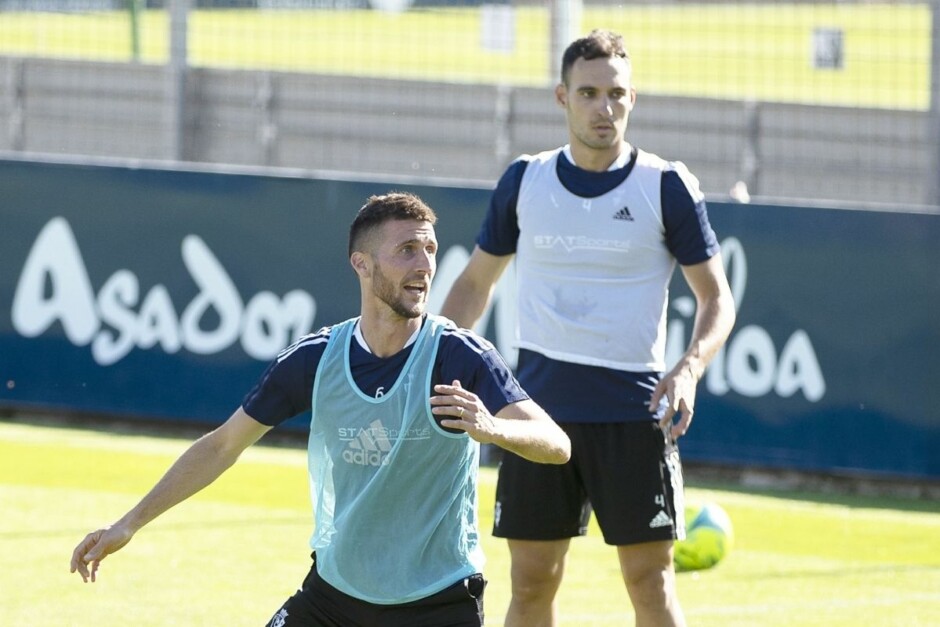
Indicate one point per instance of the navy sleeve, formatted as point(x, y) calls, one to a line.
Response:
point(475, 362)
point(286, 387)
point(689, 235)
point(500, 231)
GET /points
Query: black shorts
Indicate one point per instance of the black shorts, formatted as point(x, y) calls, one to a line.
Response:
point(628, 472)
point(318, 604)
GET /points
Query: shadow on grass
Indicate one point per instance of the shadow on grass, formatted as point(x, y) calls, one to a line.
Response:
point(852, 492)
point(145, 427)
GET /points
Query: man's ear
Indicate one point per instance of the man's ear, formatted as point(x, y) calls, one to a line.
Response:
point(561, 95)
point(360, 263)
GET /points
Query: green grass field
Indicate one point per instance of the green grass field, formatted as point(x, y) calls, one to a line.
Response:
point(233, 553)
point(757, 51)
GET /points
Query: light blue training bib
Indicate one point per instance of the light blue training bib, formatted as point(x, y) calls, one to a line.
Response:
point(394, 495)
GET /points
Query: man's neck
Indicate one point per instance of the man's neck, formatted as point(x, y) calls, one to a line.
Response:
point(385, 337)
point(597, 160)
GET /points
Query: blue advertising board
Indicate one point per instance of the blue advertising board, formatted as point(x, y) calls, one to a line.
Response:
point(158, 293)
point(833, 361)
point(164, 294)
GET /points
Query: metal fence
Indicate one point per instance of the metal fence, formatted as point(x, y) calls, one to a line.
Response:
point(823, 102)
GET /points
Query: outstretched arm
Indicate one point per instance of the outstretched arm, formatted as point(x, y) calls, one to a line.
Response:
point(714, 317)
point(201, 464)
point(471, 292)
point(522, 427)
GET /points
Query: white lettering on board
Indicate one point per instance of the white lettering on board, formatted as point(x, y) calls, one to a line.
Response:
point(54, 287)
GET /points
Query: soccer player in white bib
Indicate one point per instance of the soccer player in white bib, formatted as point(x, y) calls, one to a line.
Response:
point(597, 228)
point(400, 401)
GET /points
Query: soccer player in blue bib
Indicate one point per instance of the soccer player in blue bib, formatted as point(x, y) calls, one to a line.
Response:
point(400, 401)
point(597, 228)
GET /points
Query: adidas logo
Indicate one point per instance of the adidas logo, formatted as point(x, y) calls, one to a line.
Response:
point(624, 214)
point(661, 519)
point(369, 447)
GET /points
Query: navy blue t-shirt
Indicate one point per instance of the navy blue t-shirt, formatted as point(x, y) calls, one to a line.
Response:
point(286, 387)
point(689, 235)
point(572, 392)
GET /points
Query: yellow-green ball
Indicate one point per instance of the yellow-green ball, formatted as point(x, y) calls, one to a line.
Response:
point(709, 537)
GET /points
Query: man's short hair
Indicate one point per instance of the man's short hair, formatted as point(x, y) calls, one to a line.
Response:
point(598, 44)
point(380, 209)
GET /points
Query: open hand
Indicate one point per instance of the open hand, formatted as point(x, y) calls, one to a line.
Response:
point(95, 547)
point(469, 413)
